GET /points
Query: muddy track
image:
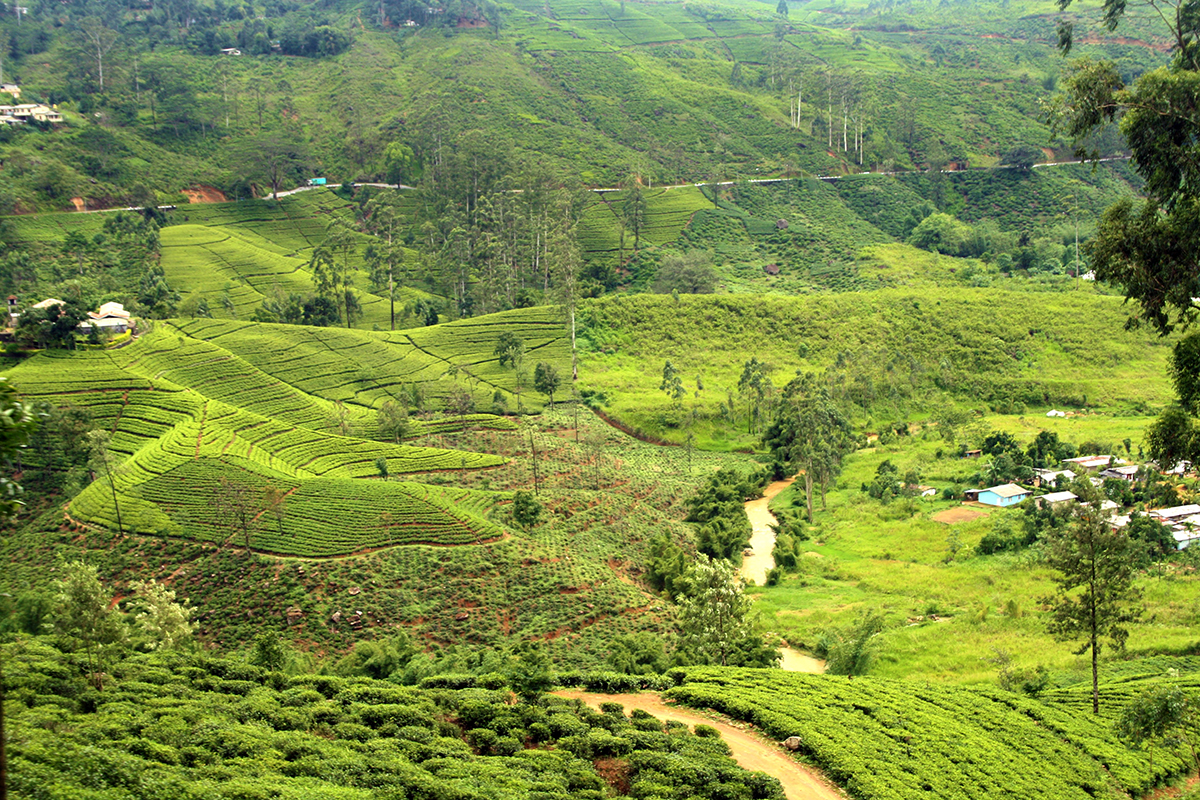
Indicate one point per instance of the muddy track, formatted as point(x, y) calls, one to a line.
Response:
point(750, 749)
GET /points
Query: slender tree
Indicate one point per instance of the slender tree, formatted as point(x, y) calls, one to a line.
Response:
point(99, 39)
point(1095, 597)
point(82, 616)
point(510, 350)
point(100, 463)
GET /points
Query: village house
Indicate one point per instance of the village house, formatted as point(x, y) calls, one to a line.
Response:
point(1049, 477)
point(110, 318)
point(1004, 495)
point(1056, 499)
point(16, 115)
point(1124, 473)
point(1174, 514)
point(11, 88)
point(1094, 463)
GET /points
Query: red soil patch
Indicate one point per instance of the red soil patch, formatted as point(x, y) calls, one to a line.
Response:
point(204, 194)
point(79, 204)
point(960, 514)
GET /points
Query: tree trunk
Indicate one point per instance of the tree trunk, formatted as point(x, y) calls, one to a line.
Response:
point(574, 355)
point(808, 491)
point(3, 750)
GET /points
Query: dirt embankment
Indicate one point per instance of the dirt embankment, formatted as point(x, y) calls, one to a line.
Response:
point(751, 750)
point(204, 194)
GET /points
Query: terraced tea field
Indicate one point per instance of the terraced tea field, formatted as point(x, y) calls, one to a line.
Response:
point(296, 409)
point(235, 255)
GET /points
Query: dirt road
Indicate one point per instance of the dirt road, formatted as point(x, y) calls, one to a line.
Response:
point(750, 750)
point(762, 541)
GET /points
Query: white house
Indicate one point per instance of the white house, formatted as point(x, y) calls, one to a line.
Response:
point(1050, 477)
point(1056, 499)
point(1174, 513)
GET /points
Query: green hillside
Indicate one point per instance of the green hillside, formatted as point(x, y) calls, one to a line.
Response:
point(886, 354)
point(596, 90)
point(205, 415)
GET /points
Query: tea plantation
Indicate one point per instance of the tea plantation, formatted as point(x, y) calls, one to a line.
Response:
point(295, 408)
point(196, 726)
point(904, 739)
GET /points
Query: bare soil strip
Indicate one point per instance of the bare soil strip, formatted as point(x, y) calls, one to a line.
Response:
point(750, 749)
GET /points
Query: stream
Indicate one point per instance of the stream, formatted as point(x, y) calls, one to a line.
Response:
point(756, 566)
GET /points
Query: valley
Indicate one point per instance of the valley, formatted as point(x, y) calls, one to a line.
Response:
point(532, 400)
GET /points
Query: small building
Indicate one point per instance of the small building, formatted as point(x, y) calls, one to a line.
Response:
point(316, 181)
point(971, 495)
point(38, 112)
point(109, 318)
point(230, 51)
point(771, 269)
point(49, 302)
point(972, 454)
point(1056, 499)
point(925, 491)
point(1184, 537)
point(1125, 473)
point(1094, 463)
point(1054, 412)
point(11, 88)
point(1049, 477)
point(1175, 513)
point(1004, 495)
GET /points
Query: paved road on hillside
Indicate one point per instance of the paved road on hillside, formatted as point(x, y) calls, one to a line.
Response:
point(750, 749)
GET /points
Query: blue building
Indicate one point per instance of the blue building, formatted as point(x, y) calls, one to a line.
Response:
point(1008, 494)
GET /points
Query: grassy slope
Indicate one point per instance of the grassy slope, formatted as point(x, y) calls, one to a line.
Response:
point(913, 347)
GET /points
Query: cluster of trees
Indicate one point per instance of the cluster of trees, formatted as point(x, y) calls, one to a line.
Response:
point(715, 620)
point(1060, 253)
point(87, 626)
point(496, 233)
point(120, 263)
point(810, 434)
point(718, 508)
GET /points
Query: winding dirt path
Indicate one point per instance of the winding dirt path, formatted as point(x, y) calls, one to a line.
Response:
point(750, 749)
point(762, 541)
